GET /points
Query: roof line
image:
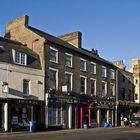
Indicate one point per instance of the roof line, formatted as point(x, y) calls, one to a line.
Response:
point(11, 41)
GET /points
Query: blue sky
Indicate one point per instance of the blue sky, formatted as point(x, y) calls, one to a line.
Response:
point(110, 26)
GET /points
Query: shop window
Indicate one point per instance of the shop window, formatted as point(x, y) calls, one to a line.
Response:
point(54, 116)
point(26, 87)
point(20, 115)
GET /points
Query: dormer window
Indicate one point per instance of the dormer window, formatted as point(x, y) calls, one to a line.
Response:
point(20, 58)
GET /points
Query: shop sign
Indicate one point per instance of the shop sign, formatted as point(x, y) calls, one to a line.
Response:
point(27, 102)
point(70, 101)
point(75, 101)
point(102, 106)
point(14, 120)
point(52, 99)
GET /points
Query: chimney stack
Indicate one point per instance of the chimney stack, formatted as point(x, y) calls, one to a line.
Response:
point(74, 38)
point(21, 21)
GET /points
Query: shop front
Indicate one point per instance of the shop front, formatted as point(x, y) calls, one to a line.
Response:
point(62, 112)
point(16, 114)
point(102, 113)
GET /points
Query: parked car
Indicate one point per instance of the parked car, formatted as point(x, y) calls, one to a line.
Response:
point(135, 121)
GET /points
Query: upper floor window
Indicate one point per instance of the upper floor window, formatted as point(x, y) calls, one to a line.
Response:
point(53, 78)
point(129, 80)
point(136, 81)
point(92, 68)
point(53, 55)
point(123, 78)
point(82, 64)
point(26, 87)
point(68, 80)
point(129, 95)
point(112, 74)
point(83, 84)
point(104, 89)
point(93, 86)
point(68, 60)
point(104, 71)
point(136, 96)
point(19, 58)
point(112, 89)
point(123, 93)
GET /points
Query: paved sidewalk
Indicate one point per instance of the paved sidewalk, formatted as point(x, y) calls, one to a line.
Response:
point(59, 132)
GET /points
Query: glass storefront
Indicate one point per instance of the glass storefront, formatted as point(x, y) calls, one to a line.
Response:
point(57, 115)
point(20, 115)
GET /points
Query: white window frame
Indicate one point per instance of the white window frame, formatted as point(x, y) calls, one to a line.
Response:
point(14, 57)
point(54, 49)
point(111, 70)
point(71, 78)
point(29, 87)
point(95, 86)
point(81, 59)
point(81, 76)
point(105, 71)
point(105, 88)
point(92, 63)
point(113, 88)
point(67, 54)
point(56, 70)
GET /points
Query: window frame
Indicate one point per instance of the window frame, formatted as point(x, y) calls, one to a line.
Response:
point(67, 54)
point(70, 79)
point(95, 87)
point(136, 95)
point(56, 50)
point(112, 76)
point(29, 87)
point(105, 89)
point(105, 68)
point(136, 82)
point(113, 88)
point(85, 84)
point(84, 60)
point(94, 72)
point(56, 70)
point(19, 62)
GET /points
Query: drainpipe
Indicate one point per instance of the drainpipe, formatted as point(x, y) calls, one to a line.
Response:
point(116, 106)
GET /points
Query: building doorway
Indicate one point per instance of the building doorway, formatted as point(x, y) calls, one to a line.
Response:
point(1, 117)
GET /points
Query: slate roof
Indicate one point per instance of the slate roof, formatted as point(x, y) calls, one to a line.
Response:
point(6, 46)
point(61, 42)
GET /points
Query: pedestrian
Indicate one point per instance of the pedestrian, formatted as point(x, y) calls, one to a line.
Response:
point(125, 121)
point(122, 121)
